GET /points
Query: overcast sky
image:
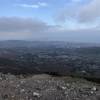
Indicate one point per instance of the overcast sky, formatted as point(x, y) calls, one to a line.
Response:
point(61, 20)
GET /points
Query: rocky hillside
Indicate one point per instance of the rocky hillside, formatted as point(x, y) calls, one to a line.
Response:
point(45, 87)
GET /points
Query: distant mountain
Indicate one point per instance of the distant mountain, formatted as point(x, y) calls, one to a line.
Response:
point(58, 44)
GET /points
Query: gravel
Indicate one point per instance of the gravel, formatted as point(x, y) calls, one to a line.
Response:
point(45, 87)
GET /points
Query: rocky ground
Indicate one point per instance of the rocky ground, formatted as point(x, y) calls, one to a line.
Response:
point(45, 87)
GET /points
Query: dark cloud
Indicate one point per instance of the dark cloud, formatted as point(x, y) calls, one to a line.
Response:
point(15, 24)
point(24, 28)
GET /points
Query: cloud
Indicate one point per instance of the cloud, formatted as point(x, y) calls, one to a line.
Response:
point(90, 12)
point(69, 12)
point(43, 4)
point(14, 27)
point(38, 5)
point(18, 24)
point(76, 0)
point(64, 15)
point(82, 13)
point(35, 29)
point(28, 6)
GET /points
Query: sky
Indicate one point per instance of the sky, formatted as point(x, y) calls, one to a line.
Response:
point(50, 20)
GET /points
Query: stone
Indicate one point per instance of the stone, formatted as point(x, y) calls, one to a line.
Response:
point(22, 90)
point(94, 89)
point(35, 94)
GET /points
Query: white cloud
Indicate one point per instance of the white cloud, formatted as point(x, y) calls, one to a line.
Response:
point(83, 13)
point(38, 5)
point(43, 4)
point(76, 0)
point(28, 6)
point(90, 12)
